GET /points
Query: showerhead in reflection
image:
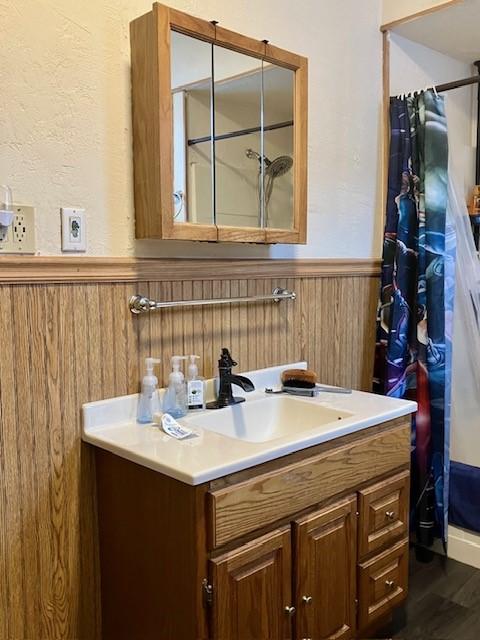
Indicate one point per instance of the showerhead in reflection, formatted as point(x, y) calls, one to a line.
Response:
point(279, 167)
point(274, 169)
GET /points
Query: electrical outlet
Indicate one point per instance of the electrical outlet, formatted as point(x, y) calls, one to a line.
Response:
point(19, 237)
point(5, 239)
point(74, 231)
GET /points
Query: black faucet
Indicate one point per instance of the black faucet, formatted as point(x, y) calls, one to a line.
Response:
point(225, 396)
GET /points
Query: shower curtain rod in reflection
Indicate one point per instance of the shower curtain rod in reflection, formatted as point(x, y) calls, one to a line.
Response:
point(241, 132)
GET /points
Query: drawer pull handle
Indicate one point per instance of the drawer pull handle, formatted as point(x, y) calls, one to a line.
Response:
point(390, 584)
point(289, 610)
point(390, 514)
point(307, 599)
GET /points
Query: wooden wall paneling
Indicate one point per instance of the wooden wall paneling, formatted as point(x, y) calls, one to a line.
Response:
point(40, 330)
point(119, 333)
point(66, 344)
point(132, 343)
point(13, 620)
point(207, 317)
point(151, 337)
point(234, 321)
point(225, 318)
point(343, 365)
point(241, 313)
point(89, 616)
point(216, 326)
point(189, 343)
point(178, 318)
point(269, 329)
point(163, 322)
point(94, 350)
point(27, 450)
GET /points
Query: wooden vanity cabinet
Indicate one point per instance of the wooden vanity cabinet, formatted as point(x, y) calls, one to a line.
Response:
point(329, 560)
point(252, 588)
point(325, 552)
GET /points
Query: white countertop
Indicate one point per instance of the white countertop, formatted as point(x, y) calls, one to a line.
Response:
point(111, 425)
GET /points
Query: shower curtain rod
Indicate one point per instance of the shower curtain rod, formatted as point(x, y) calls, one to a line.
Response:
point(447, 86)
point(456, 84)
point(241, 132)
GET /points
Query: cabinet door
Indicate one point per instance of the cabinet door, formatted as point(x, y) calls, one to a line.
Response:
point(252, 590)
point(325, 567)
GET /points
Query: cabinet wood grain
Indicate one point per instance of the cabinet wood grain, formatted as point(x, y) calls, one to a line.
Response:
point(252, 589)
point(152, 115)
point(238, 509)
point(152, 552)
point(325, 571)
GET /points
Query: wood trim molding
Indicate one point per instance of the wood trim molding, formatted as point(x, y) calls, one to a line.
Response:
point(385, 118)
point(61, 269)
point(388, 26)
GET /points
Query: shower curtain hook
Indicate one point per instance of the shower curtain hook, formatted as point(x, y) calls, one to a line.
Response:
point(435, 90)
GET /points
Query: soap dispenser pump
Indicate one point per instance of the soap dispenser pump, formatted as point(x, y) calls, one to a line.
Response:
point(148, 403)
point(195, 385)
point(175, 400)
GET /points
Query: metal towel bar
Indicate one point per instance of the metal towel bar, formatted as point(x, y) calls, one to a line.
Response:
point(140, 304)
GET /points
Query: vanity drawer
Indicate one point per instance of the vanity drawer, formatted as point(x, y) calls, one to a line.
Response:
point(383, 513)
point(382, 583)
point(243, 507)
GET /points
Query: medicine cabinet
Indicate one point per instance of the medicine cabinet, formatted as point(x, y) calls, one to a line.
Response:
point(219, 133)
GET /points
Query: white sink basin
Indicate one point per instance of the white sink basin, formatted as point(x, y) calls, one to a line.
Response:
point(268, 418)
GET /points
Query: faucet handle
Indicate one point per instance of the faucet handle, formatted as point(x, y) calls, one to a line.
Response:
point(226, 359)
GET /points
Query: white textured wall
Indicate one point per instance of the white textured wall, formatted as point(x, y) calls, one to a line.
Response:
point(397, 9)
point(413, 66)
point(65, 132)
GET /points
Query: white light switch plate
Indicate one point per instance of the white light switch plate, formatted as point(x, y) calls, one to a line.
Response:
point(74, 229)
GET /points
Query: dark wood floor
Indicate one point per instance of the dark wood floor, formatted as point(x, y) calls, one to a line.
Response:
point(443, 603)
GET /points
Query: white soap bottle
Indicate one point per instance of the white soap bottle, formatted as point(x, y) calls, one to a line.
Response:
point(175, 400)
point(195, 386)
point(148, 403)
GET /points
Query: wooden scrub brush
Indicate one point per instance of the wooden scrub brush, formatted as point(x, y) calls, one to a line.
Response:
point(299, 378)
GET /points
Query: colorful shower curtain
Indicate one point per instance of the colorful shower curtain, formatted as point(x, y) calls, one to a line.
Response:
point(414, 324)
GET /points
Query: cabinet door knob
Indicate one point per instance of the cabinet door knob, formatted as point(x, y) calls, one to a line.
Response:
point(307, 599)
point(390, 514)
point(289, 610)
point(389, 583)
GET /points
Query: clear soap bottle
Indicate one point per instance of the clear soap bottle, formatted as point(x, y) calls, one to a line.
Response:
point(148, 403)
point(175, 400)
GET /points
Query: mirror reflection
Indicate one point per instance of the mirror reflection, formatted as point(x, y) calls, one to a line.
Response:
point(233, 150)
point(238, 116)
point(278, 105)
point(191, 78)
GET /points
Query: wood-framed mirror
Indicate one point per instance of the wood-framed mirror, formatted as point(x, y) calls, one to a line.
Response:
point(219, 133)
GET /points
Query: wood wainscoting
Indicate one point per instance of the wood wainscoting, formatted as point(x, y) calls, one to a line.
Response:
point(69, 338)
